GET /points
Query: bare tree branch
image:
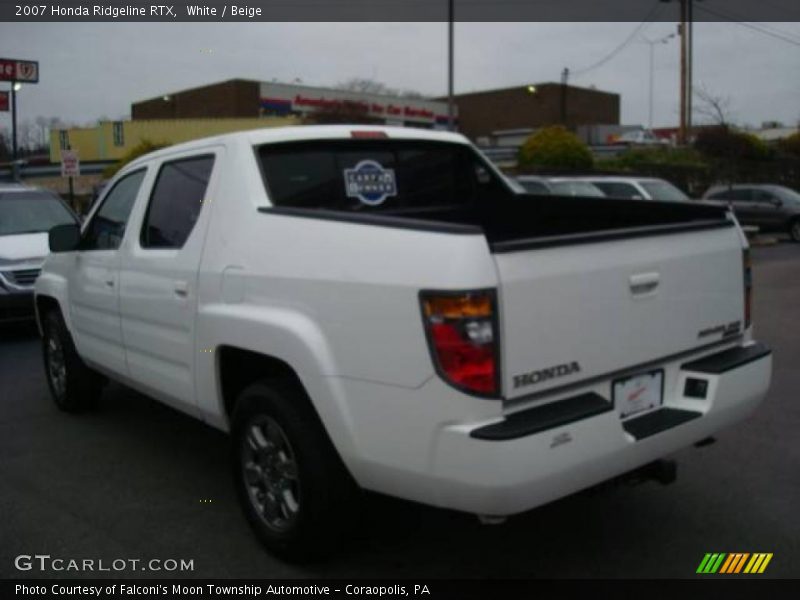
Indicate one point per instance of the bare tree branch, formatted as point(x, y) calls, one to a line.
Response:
point(714, 107)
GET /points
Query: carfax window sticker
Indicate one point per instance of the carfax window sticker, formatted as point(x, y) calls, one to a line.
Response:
point(370, 182)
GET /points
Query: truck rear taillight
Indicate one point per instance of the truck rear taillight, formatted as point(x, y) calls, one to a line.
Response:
point(748, 287)
point(461, 328)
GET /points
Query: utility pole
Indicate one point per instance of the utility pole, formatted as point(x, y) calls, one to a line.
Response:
point(14, 87)
point(564, 81)
point(685, 29)
point(684, 46)
point(689, 64)
point(652, 44)
point(450, 101)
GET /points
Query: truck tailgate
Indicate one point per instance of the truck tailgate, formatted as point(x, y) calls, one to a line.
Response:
point(575, 312)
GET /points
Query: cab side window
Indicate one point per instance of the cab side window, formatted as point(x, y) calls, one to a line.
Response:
point(176, 201)
point(107, 227)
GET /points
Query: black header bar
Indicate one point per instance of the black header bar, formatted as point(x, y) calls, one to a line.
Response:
point(397, 10)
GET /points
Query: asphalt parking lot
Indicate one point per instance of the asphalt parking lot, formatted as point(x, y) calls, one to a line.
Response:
point(138, 480)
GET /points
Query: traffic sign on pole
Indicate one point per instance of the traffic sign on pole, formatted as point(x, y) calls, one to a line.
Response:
point(70, 163)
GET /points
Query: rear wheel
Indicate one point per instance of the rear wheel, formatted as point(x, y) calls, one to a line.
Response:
point(296, 493)
point(73, 386)
point(794, 230)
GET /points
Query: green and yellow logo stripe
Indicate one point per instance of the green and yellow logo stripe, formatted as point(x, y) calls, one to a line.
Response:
point(734, 563)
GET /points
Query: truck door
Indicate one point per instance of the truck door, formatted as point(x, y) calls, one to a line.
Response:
point(94, 280)
point(158, 279)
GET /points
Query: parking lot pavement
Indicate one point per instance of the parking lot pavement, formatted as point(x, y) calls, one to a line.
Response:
point(138, 480)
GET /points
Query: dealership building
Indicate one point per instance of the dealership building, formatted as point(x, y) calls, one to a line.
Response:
point(481, 115)
point(477, 114)
point(500, 118)
point(240, 98)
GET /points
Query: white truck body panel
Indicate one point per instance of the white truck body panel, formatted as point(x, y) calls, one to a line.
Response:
point(617, 304)
point(338, 302)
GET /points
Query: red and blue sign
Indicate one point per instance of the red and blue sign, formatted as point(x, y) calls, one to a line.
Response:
point(26, 71)
point(370, 182)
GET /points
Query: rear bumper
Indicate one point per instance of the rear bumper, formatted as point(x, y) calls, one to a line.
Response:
point(504, 475)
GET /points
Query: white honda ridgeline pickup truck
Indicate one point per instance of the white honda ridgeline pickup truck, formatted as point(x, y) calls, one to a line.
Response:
point(377, 308)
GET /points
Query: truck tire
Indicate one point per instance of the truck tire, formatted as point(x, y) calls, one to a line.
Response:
point(73, 386)
point(794, 230)
point(294, 489)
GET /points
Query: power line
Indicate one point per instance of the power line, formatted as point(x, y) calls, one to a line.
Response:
point(767, 29)
point(779, 35)
point(625, 43)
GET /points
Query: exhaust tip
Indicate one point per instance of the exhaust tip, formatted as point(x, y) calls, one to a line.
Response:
point(663, 471)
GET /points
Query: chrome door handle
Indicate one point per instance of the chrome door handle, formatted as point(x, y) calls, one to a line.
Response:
point(643, 283)
point(181, 289)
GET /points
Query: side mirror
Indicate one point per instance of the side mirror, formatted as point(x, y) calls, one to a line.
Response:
point(64, 238)
point(777, 202)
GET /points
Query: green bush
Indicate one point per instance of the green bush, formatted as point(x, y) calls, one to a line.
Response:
point(791, 145)
point(140, 149)
point(635, 159)
point(556, 148)
point(728, 144)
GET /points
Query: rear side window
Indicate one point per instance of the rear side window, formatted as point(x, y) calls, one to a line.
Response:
point(176, 201)
point(737, 195)
point(535, 187)
point(663, 190)
point(107, 227)
point(614, 189)
point(375, 175)
point(763, 196)
point(576, 188)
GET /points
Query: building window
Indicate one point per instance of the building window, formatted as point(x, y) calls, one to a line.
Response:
point(118, 131)
point(63, 139)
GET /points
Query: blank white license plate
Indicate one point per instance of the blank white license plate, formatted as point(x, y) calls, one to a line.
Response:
point(638, 393)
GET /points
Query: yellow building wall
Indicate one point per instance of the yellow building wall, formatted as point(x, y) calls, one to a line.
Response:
point(97, 143)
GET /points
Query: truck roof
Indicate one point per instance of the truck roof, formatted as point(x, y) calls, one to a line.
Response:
point(269, 135)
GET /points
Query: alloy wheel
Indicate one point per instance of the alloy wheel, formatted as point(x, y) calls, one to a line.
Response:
point(270, 473)
point(56, 365)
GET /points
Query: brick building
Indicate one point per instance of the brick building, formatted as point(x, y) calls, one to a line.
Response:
point(240, 98)
point(528, 107)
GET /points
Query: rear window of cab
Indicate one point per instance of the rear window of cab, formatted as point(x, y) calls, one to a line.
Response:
point(373, 175)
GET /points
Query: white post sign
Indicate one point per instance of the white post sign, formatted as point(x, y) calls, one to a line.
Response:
point(70, 163)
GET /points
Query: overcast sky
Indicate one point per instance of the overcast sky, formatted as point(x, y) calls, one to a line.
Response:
point(94, 70)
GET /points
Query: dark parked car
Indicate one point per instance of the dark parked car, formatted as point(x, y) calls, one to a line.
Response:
point(768, 207)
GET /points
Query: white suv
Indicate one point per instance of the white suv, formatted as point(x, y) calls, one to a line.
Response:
point(26, 215)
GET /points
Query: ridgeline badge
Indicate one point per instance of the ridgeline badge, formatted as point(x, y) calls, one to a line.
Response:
point(370, 182)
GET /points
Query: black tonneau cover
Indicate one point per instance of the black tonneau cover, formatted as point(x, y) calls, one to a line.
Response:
point(524, 221)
